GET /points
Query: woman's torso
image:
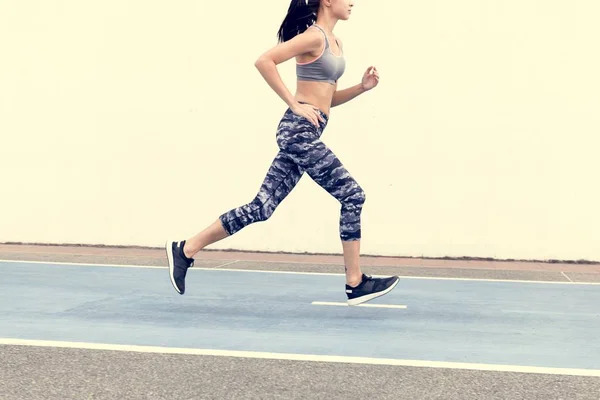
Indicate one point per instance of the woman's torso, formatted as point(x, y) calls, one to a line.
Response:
point(318, 73)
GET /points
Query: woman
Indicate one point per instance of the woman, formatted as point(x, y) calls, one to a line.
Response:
point(306, 34)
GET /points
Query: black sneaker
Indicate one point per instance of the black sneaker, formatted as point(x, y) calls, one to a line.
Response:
point(178, 264)
point(370, 288)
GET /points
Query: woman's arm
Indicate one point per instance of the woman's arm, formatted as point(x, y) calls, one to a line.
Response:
point(369, 80)
point(307, 42)
point(342, 96)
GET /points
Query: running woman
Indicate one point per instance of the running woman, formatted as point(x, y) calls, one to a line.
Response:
point(306, 34)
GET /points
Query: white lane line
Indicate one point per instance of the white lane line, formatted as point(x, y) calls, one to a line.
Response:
point(565, 275)
point(227, 263)
point(305, 357)
point(328, 303)
point(261, 271)
point(437, 278)
point(59, 263)
point(498, 280)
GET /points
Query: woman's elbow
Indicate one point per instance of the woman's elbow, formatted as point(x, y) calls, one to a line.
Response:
point(262, 61)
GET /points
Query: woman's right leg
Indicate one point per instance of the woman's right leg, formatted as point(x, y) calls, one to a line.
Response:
point(211, 234)
point(281, 178)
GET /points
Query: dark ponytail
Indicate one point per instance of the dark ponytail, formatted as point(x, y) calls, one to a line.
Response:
point(299, 17)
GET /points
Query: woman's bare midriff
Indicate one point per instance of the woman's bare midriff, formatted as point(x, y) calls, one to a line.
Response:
point(319, 94)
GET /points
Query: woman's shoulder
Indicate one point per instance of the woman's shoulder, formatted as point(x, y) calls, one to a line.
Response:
point(314, 32)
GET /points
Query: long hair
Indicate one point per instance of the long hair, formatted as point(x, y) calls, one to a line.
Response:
point(301, 14)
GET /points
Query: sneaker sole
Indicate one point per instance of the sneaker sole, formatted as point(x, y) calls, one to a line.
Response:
point(368, 297)
point(169, 249)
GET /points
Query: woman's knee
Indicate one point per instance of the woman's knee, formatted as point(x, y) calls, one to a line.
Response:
point(354, 199)
point(263, 210)
point(361, 197)
point(266, 213)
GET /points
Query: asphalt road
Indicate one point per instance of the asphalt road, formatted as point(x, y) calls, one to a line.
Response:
point(52, 373)
point(481, 324)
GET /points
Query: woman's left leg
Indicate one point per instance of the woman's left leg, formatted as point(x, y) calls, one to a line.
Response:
point(322, 165)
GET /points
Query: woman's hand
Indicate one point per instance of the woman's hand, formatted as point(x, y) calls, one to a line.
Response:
point(308, 111)
point(370, 79)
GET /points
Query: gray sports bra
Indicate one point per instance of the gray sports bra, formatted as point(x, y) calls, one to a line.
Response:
point(326, 68)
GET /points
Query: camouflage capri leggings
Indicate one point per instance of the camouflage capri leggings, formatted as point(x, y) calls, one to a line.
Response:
point(301, 150)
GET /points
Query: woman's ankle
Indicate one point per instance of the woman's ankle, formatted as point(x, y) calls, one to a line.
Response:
point(186, 251)
point(353, 281)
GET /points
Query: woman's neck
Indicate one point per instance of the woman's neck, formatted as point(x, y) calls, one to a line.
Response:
point(327, 23)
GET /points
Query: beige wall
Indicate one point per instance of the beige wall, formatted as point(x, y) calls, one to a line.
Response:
point(128, 122)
